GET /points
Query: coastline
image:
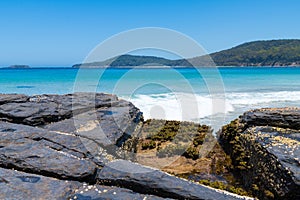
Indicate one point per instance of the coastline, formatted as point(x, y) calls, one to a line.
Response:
point(63, 128)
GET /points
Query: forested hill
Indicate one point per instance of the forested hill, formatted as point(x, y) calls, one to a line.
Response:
point(132, 60)
point(258, 53)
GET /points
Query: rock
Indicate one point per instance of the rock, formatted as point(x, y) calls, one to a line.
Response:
point(13, 98)
point(105, 192)
point(106, 126)
point(99, 117)
point(61, 135)
point(102, 118)
point(147, 180)
point(42, 152)
point(279, 117)
point(15, 185)
point(264, 145)
point(44, 109)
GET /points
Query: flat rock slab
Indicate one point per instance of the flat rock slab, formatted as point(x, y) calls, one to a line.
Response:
point(151, 181)
point(13, 98)
point(278, 117)
point(106, 126)
point(40, 151)
point(93, 192)
point(44, 109)
point(103, 118)
point(15, 185)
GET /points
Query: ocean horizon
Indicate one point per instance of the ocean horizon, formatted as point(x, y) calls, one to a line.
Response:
point(157, 92)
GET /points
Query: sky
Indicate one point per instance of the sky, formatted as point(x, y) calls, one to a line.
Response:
point(63, 32)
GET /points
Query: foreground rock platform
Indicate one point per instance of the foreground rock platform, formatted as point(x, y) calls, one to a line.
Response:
point(265, 147)
point(19, 185)
point(66, 147)
point(152, 181)
point(42, 152)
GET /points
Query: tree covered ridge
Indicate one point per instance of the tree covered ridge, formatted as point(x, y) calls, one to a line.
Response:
point(258, 53)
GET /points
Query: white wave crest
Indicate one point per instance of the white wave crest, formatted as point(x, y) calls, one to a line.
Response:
point(192, 107)
point(180, 106)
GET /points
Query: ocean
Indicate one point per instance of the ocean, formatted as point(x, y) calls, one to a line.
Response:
point(206, 95)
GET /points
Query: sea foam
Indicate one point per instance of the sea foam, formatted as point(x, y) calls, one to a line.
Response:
point(192, 107)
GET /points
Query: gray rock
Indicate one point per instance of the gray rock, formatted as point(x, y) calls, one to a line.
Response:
point(15, 185)
point(99, 119)
point(56, 150)
point(264, 145)
point(147, 180)
point(106, 126)
point(13, 98)
point(282, 143)
point(44, 109)
point(278, 117)
point(99, 192)
point(49, 153)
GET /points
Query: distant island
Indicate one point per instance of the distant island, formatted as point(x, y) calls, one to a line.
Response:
point(257, 53)
point(18, 67)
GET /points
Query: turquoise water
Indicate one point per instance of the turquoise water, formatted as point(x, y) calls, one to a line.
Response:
point(159, 92)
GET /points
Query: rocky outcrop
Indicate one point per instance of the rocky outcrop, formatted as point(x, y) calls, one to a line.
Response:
point(283, 118)
point(65, 146)
point(109, 192)
point(39, 134)
point(264, 145)
point(13, 98)
point(152, 181)
point(20, 185)
point(42, 152)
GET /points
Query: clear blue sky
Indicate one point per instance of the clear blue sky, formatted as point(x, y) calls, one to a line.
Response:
point(63, 32)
